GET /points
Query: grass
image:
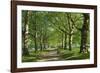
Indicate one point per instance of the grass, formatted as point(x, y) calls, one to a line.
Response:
point(63, 55)
point(80, 57)
point(73, 55)
point(34, 56)
point(29, 59)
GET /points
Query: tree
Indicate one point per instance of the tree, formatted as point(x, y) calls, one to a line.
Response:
point(49, 29)
point(25, 32)
point(61, 22)
point(84, 33)
point(39, 29)
point(33, 27)
point(84, 29)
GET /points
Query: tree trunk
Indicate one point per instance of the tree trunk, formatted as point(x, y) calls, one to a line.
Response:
point(62, 41)
point(25, 35)
point(35, 41)
point(70, 42)
point(35, 35)
point(45, 37)
point(41, 41)
point(65, 41)
point(44, 41)
point(84, 34)
point(70, 32)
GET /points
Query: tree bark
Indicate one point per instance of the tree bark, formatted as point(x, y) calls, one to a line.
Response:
point(62, 40)
point(65, 41)
point(25, 35)
point(70, 32)
point(35, 41)
point(70, 42)
point(35, 34)
point(84, 34)
point(41, 48)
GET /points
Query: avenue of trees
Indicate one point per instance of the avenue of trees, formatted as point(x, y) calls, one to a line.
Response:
point(44, 30)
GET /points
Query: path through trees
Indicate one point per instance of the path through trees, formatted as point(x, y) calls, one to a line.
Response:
point(66, 32)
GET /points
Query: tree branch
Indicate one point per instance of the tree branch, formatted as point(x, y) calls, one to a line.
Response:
point(73, 23)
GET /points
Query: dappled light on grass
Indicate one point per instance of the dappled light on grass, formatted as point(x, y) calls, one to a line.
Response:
point(61, 55)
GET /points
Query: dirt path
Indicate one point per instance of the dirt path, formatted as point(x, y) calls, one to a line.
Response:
point(50, 56)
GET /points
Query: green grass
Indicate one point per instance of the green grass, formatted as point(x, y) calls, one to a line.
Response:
point(80, 56)
point(29, 59)
point(63, 55)
point(34, 56)
point(73, 55)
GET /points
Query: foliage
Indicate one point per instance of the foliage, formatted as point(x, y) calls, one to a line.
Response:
point(63, 33)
